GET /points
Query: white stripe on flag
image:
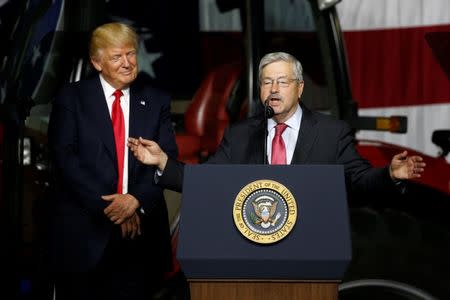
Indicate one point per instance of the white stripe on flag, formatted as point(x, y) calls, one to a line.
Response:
point(379, 14)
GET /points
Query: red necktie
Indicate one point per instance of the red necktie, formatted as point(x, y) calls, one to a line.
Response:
point(118, 122)
point(278, 147)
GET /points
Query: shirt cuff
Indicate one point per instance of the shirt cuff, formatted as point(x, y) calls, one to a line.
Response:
point(142, 211)
point(157, 175)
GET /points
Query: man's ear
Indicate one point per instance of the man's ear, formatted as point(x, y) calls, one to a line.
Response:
point(97, 65)
point(301, 84)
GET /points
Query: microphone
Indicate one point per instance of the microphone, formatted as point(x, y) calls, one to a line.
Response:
point(268, 113)
point(268, 110)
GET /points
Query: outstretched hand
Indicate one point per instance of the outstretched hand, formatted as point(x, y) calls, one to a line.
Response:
point(148, 152)
point(406, 167)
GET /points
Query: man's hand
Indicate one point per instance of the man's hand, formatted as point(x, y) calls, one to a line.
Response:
point(406, 167)
point(148, 152)
point(131, 227)
point(122, 207)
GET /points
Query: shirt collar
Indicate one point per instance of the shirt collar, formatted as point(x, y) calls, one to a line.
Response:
point(293, 122)
point(109, 90)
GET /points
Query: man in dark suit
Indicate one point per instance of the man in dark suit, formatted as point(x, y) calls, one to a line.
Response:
point(307, 137)
point(109, 233)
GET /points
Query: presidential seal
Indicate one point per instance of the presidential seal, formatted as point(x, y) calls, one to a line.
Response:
point(265, 211)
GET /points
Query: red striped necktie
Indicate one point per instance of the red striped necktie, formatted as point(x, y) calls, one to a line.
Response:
point(278, 147)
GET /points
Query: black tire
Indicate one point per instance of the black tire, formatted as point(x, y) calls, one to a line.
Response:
point(402, 239)
point(381, 289)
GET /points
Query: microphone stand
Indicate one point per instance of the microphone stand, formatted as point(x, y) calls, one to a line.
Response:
point(268, 113)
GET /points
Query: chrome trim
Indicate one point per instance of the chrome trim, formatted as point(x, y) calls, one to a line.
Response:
point(394, 285)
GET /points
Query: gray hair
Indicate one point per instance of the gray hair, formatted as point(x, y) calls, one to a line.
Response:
point(281, 56)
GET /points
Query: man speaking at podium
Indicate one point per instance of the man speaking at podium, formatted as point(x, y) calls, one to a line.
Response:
point(296, 135)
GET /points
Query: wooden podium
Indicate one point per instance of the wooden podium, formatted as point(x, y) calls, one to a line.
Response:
point(220, 263)
point(262, 290)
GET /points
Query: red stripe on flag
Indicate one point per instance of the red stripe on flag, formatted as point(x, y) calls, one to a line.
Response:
point(395, 67)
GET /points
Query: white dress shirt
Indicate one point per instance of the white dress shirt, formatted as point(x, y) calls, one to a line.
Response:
point(108, 90)
point(289, 135)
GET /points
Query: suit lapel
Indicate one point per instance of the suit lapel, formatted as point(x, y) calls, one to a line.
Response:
point(256, 149)
point(306, 137)
point(138, 114)
point(99, 115)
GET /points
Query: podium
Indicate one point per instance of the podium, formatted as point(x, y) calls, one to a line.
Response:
point(220, 262)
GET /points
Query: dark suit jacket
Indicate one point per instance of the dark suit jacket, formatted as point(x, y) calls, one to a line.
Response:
point(81, 141)
point(322, 140)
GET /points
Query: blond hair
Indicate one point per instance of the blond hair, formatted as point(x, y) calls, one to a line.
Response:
point(112, 34)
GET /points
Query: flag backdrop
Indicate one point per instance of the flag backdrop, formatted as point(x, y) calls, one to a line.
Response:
point(393, 69)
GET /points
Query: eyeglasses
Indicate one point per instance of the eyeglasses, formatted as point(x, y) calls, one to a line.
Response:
point(282, 82)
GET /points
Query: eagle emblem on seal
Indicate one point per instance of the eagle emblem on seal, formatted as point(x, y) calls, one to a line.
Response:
point(265, 211)
point(265, 208)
